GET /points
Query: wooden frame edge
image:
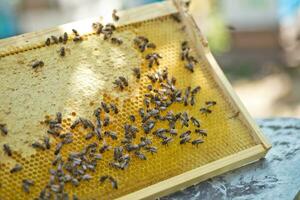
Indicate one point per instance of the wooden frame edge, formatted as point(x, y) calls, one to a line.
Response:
point(199, 174)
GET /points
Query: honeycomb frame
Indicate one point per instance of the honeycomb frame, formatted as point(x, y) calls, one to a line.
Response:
point(218, 154)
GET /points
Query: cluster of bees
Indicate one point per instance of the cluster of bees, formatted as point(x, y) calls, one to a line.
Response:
point(162, 93)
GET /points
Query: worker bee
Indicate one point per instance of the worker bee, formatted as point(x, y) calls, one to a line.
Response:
point(124, 80)
point(87, 123)
point(195, 122)
point(75, 182)
point(197, 142)
point(104, 147)
point(132, 118)
point(210, 103)
point(3, 129)
point(137, 72)
point(97, 112)
point(185, 119)
point(60, 39)
point(196, 90)
point(77, 38)
point(58, 148)
point(75, 123)
point(166, 141)
point(189, 66)
point(47, 142)
point(114, 182)
point(111, 134)
point(65, 37)
point(186, 96)
point(118, 152)
point(38, 145)
point(185, 140)
point(98, 133)
point(205, 111)
point(86, 177)
point(142, 112)
point(105, 107)
point(75, 32)
point(97, 27)
point(16, 168)
point(150, 87)
point(153, 59)
point(185, 134)
point(115, 165)
point(173, 132)
point(119, 84)
point(57, 159)
point(148, 126)
point(117, 41)
point(54, 39)
point(62, 51)
point(235, 115)
point(53, 132)
point(201, 132)
point(152, 78)
point(114, 108)
point(37, 64)
point(103, 178)
point(26, 184)
point(152, 149)
point(140, 155)
point(106, 121)
point(89, 135)
point(59, 117)
point(132, 147)
point(48, 42)
point(115, 16)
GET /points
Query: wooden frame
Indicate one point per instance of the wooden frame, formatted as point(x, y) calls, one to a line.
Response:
point(23, 43)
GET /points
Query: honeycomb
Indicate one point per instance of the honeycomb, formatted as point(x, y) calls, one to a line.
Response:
point(53, 89)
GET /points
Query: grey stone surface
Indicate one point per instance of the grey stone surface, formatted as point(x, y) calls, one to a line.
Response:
point(275, 177)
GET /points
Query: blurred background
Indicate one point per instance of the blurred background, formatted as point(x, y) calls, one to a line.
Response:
point(256, 42)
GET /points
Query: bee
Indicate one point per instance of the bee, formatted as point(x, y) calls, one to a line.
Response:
point(185, 134)
point(37, 64)
point(106, 121)
point(87, 123)
point(103, 178)
point(205, 111)
point(152, 150)
point(57, 159)
point(62, 51)
point(3, 129)
point(54, 39)
point(86, 177)
point(64, 135)
point(197, 142)
point(195, 122)
point(132, 147)
point(77, 38)
point(152, 78)
point(75, 32)
point(173, 132)
point(117, 41)
point(98, 27)
point(75, 123)
point(124, 80)
point(147, 102)
point(115, 16)
point(153, 112)
point(75, 182)
point(67, 140)
point(192, 100)
point(150, 45)
point(97, 112)
point(185, 53)
point(235, 115)
point(59, 117)
point(58, 148)
point(111, 134)
point(132, 118)
point(186, 96)
point(210, 103)
point(26, 184)
point(114, 108)
point(153, 59)
point(137, 72)
point(48, 42)
point(190, 66)
point(38, 145)
point(119, 84)
point(196, 90)
point(185, 119)
point(105, 147)
point(105, 107)
point(89, 135)
point(166, 141)
point(150, 87)
point(148, 126)
point(142, 112)
point(16, 168)
point(118, 152)
point(115, 165)
point(140, 155)
point(53, 132)
point(47, 142)
point(60, 39)
point(185, 140)
point(201, 132)
point(114, 182)
point(65, 37)
point(98, 133)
